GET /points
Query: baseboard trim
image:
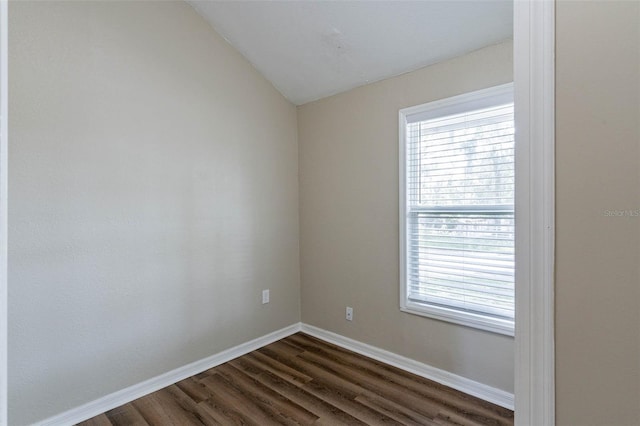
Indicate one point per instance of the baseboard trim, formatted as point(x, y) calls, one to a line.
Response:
point(124, 396)
point(471, 387)
point(108, 402)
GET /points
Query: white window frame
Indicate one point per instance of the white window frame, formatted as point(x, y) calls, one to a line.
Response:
point(457, 104)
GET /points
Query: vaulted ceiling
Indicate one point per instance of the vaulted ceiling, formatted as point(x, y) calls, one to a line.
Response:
point(313, 49)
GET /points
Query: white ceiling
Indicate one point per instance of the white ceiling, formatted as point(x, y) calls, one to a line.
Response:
point(313, 49)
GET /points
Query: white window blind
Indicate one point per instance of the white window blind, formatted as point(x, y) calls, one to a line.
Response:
point(459, 209)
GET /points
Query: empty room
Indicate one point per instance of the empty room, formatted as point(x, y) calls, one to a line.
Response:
point(319, 212)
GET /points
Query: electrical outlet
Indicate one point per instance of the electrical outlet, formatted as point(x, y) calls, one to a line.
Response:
point(349, 315)
point(265, 296)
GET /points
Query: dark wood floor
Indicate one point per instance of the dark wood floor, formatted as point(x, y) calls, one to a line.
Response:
point(303, 380)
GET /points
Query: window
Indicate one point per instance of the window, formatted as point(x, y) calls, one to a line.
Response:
point(457, 209)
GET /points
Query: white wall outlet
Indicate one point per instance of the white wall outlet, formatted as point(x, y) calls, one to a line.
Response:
point(265, 296)
point(349, 315)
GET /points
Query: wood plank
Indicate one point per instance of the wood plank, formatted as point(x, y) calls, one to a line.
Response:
point(339, 393)
point(289, 410)
point(417, 386)
point(287, 386)
point(349, 405)
point(223, 413)
point(397, 412)
point(280, 366)
point(194, 389)
point(344, 392)
point(161, 407)
point(126, 415)
point(325, 411)
point(285, 349)
point(426, 403)
point(190, 405)
point(447, 417)
point(253, 411)
point(99, 420)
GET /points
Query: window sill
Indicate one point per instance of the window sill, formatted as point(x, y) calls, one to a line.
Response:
point(467, 319)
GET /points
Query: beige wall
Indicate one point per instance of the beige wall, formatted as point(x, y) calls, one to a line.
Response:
point(598, 257)
point(153, 195)
point(349, 219)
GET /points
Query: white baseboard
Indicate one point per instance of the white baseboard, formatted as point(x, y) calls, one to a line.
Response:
point(471, 387)
point(108, 402)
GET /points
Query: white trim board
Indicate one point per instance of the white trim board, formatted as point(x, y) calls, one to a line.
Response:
point(116, 399)
point(534, 72)
point(4, 186)
point(468, 386)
